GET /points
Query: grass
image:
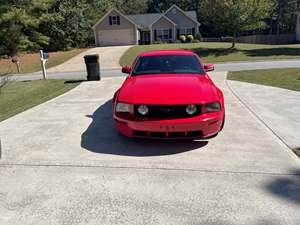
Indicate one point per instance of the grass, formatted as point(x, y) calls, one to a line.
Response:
point(283, 78)
point(31, 62)
point(221, 52)
point(17, 97)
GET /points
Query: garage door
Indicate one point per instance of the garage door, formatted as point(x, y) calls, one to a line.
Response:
point(116, 37)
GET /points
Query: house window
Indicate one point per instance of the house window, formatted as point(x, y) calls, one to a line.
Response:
point(185, 31)
point(163, 34)
point(114, 20)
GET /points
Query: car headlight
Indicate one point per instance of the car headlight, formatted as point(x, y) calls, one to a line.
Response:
point(123, 107)
point(191, 109)
point(143, 110)
point(213, 107)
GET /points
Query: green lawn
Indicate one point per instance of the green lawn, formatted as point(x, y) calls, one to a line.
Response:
point(17, 97)
point(221, 52)
point(31, 62)
point(283, 78)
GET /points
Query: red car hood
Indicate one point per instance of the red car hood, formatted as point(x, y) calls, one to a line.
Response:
point(168, 89)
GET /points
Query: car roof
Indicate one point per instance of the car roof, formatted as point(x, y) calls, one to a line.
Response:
point(167, 52)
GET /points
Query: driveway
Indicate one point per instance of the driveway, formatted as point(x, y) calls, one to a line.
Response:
point(109, 59)
point(63, 163)
point(278, 108)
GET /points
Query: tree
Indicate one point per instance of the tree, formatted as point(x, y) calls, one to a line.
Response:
point(284, 14)
point(233, 16)
point(67, 25)
point(19, 22)
point(131, 6)
point(155, 6)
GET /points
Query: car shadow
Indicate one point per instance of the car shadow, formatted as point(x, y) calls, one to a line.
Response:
point(286, 187)
point(102, 137)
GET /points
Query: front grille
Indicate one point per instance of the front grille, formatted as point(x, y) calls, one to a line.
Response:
point(151, 134)
point(166, 111)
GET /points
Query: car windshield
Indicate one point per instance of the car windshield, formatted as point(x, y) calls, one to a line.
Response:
point(168, 64)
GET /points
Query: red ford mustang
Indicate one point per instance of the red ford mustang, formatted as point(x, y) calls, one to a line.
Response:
point(168, 94)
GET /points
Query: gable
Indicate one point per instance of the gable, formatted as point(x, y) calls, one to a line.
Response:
point(163, 22)
point(105, 22)
point(180, 18)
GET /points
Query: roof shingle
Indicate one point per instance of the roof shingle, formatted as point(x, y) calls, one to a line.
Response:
point(145, 20)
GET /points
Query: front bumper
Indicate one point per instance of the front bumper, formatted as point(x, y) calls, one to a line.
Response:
point(202, 126)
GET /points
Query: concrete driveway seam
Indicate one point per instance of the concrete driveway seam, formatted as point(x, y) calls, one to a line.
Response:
point(7, 165)
point(261, 121)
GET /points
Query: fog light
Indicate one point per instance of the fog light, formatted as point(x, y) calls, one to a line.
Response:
point(143, 110)
point(191, 109)
point(213, 107)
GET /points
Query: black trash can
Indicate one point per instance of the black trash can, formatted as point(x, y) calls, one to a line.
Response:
point(92, 67)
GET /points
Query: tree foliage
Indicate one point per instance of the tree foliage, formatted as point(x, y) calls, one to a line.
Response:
point(28, 25)
point(284, 14)
point(19, 23)
point(229, 17)
point(68, 25)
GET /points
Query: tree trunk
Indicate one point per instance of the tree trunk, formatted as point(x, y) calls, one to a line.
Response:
point(233, 40)
point(298, 27)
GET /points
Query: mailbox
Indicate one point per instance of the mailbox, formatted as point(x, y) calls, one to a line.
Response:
point(45, 55)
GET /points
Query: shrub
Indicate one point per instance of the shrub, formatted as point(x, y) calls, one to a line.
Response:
point(182, 38)
point(190, 38)
point(198, 36)
point(158, 41)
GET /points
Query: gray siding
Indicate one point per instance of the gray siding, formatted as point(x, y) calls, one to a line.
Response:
point(163, 23)
point(104, 25)
point(181, 20)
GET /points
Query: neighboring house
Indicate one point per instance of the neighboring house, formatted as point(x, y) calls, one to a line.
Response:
point(115, 28)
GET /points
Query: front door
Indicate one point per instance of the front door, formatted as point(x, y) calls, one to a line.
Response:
point(145, 37)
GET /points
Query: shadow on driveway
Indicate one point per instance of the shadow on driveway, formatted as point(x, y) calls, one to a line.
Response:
point(102, 137)
point(287, 187)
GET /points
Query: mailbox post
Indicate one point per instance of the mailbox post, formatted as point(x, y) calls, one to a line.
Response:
point(44, 58)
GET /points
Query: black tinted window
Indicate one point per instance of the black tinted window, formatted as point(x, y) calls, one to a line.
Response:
point(168, 64)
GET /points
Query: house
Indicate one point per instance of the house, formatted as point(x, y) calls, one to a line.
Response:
point(115, 28)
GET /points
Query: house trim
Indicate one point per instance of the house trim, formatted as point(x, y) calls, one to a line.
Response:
point(162, 16)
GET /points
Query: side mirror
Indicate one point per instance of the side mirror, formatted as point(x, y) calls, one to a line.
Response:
point(126, 69)
point(209, 67)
